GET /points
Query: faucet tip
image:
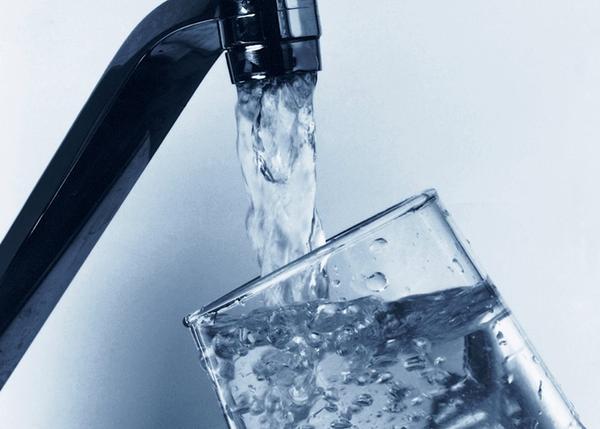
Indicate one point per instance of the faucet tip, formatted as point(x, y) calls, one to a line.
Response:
point(269, 38)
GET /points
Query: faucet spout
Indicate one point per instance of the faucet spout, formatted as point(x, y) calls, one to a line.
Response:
point(266, 38)
point(138, 99)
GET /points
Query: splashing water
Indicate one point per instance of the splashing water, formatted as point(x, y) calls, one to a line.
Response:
point(453, 359)
point(276, 148)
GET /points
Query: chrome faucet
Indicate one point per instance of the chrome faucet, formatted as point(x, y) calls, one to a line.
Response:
point(130, 112)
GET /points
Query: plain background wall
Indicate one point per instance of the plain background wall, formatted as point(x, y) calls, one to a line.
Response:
point(496, 104)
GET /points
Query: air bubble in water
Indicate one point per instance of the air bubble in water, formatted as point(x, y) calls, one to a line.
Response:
point(377, 282)
point(363, 400)
point(384, 377)
point(341, 423)
point(299, 395)
point(331, 407)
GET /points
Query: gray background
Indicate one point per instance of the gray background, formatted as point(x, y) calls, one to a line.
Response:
point(494, 103)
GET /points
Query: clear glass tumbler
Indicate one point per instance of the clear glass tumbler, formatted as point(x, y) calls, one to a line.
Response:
point(408, 332)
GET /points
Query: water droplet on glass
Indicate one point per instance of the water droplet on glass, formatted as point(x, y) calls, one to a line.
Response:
point(458, 265)
point(377, 282)
point(378, 245)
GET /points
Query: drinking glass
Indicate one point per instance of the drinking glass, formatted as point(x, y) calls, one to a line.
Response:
point(400, 328)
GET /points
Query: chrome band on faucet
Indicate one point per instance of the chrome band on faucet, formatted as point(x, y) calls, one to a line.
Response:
point(267, 38)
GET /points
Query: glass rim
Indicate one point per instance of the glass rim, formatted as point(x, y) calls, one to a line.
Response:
point(333, 244)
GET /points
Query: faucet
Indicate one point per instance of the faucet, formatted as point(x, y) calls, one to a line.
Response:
point(131, 110)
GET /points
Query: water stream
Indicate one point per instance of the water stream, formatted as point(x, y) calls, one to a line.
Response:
point(276, 148)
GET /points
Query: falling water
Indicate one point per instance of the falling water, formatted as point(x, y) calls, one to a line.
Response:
point(276, 148)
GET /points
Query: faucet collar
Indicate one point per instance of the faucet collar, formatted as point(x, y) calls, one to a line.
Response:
point(269, 38)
